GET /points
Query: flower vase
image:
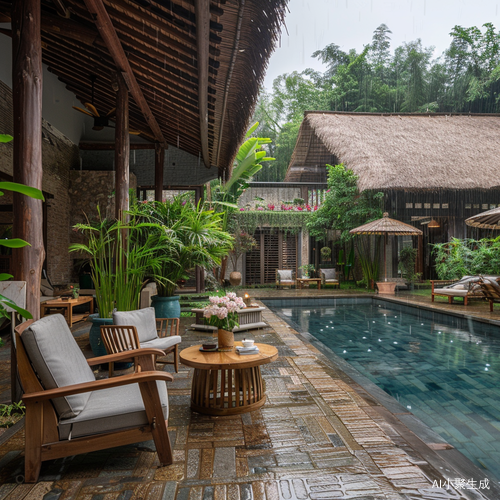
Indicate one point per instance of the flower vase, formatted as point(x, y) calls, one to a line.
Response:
point(226, 340)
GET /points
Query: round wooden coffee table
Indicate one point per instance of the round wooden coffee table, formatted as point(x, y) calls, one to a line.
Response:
point(227, 383)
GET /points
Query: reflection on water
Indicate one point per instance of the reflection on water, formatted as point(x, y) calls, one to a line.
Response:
point(446, 375)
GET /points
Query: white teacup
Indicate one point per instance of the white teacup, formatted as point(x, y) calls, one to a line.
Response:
point(247, 342)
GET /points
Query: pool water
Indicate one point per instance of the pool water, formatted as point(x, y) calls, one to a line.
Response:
point(443, 369)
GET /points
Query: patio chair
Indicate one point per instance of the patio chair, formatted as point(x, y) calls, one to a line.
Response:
point(491, 290)
point(156, 333)
point(329, 277)
point(285, 277)
point(465, 288)
point(69, 412)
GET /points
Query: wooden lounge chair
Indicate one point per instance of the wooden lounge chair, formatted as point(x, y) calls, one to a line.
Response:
point(491, 290)
point(69, 412)
point(464, 288)
point(329, 277)
point(284, 277)
point(156, 333)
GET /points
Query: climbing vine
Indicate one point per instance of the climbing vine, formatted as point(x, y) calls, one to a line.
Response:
point(287, 221)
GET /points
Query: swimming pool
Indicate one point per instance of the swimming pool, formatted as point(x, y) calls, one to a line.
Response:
point(444, 369)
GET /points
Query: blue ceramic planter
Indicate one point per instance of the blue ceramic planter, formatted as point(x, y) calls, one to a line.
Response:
point(166, 307)
point(96, 343)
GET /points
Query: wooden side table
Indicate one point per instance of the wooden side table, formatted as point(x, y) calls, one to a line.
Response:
point(227, 383)
point(66, 307)
point(307, 281)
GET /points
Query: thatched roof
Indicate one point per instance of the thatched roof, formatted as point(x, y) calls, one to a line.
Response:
point(391, 151)
point(159, 40)
point(385, 225)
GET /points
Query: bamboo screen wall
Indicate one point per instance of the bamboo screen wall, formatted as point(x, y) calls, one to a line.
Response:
point(274, 250)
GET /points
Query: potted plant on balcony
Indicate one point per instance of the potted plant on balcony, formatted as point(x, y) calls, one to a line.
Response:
point(195, 239)
point(119, 255)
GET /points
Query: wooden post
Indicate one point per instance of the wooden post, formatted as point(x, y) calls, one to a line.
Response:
point(27, 169)
point(420, 257)
point(27, 108)
point(122, 151)
point(159, 160)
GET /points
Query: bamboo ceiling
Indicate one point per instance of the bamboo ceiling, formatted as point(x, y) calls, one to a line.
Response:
point(159, 39)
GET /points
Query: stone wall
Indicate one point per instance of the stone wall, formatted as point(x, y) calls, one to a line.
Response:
point(87, 191)
point(59, 155)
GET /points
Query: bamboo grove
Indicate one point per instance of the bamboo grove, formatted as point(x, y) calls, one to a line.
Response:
point(464, 79)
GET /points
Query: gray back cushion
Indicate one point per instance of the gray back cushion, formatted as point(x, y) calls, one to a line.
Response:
point(143, 319)
point(58, 361)
point(285, 275)
point(330, 274)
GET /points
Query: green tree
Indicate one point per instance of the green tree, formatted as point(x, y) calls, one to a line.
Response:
point(344, 207)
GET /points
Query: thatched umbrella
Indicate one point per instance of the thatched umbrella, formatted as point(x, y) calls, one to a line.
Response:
point(386, 226)
point(486, 220)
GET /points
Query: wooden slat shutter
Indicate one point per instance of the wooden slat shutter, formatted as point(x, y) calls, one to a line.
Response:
point(252, 267)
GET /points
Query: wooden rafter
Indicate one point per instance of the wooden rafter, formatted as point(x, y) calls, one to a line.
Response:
point(203, 32)
point(108, 33)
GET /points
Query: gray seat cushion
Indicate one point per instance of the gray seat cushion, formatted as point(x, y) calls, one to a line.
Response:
point(58, 361)
point(452, 292)
point(143, 319)
point(111, 409)
point(162, 342)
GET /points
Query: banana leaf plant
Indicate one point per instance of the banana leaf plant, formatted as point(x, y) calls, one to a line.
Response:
point(14, 242)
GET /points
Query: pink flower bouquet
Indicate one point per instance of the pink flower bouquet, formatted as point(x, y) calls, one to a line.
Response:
point(222, 311)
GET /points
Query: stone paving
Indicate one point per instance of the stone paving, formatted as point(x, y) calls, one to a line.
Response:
point(319, 436)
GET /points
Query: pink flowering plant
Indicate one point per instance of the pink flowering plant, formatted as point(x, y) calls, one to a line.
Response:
point(222, 311)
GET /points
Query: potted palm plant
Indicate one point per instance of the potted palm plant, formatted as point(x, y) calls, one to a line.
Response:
point(195, 239)
point(119, 255)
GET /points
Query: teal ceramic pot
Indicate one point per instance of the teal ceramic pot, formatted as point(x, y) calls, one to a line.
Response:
point(96, 343)
point(166, 307)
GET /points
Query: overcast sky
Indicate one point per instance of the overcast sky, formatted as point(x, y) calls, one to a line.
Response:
point(313, 24)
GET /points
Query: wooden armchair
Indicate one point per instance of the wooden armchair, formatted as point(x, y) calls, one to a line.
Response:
point(156, 333)
point(285, 277)
point(329, 277)
point(69, 412)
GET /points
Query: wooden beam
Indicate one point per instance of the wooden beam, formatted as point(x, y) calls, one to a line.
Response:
point(103, 146)
point(202, 9)
point(61, 9)
point(227, 86)
point(70, 29)
point(108, 34)
point(122, 151)
point(159, 160)
point(27, 79)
